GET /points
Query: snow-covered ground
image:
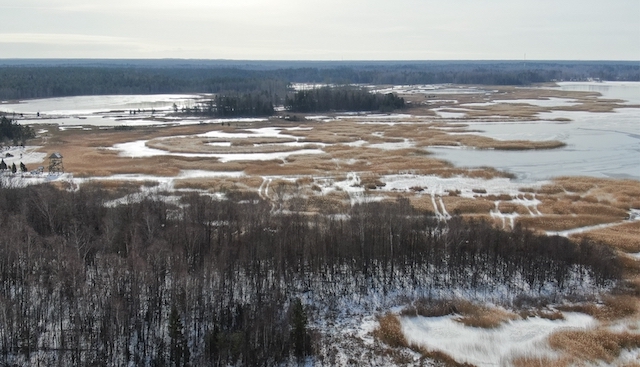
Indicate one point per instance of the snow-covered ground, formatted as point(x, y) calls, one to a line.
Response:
point(88, 105)
point(489, 347)
point(545, 102)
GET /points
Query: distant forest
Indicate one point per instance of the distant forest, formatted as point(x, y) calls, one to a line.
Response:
point(324, 99)
point(342, 99)
point(87, 281)
point(21, 79)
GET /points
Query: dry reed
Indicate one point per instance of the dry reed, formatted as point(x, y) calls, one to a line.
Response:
point(390, 332)
point(593, 345)
point(539, 361)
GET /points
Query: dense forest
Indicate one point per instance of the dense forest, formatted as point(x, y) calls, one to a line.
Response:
point(324, 99)
point(327, 99)
point(12, 132)
point(87, 280)
point(233, 105)
point(55, 78)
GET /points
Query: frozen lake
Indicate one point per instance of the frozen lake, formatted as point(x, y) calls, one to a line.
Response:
point(110, 110)
point(598, 144)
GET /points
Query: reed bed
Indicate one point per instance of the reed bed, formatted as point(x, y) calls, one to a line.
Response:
point(441, 358)
point(539, 361)
point(563, 222)
point(511, 207)
point(200, 145)
point(466, 205)
point(596, 345)
point(613, 307)
point(390, 332)
point(624, 237)
point(335, 202)
point(468, 313)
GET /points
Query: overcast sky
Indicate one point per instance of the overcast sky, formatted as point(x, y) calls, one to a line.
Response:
point(322, 29)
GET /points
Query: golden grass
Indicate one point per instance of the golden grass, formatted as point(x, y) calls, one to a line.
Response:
point(624, 237)
point(218, 184)
point(614, 307)
point(630, 269)
point(501, 197)
point(470, 314)
point(593, 345)
point(200, 145)
point(550, 189)
point(466, 205)
point(441, 358)
point(390, 332)
point(621, 190)
point(331, 203)
point(574, 204)
point(542, 313)
point(511, 207)
point(564, 222)
point(486, 318)
point(540, 362)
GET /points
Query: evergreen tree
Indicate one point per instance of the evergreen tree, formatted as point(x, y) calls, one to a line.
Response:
point(178, 349)
point(299, 335)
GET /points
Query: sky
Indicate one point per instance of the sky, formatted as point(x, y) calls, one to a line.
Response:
point(322, 29)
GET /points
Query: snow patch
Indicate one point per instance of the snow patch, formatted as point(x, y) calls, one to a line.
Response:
point(489, 347)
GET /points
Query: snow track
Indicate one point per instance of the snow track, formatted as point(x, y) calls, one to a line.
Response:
point(496, 213)
point(440, 211)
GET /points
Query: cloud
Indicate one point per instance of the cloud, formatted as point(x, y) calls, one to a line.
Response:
point(64, 39)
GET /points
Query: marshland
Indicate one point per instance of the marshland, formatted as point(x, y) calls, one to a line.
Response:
point(474, 225)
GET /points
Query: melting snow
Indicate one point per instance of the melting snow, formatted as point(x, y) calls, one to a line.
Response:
point(489, 347)
point(138, 149)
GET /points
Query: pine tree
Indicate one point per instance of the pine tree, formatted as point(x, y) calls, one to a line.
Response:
point(178, 349)
point(299, 335)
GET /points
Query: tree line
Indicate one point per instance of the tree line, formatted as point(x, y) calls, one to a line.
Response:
point(33, 79)
point(233, 105)
point(88, 281)
point(324, 99)
point(45, 82)
point(327, 99)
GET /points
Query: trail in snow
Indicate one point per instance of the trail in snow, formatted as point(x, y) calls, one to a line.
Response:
point(570, 232)
point(530, 204)
point(496, 213)
point(438, 206)
point(435, 206)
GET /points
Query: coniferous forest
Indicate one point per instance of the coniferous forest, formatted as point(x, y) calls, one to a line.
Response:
point(20, 79)
point(327, 99)
point(89, 281)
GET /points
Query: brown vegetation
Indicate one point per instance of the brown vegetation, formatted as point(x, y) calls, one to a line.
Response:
point(614, 307)
point(470, 314)
point(442, 358)
point(593, 345)
point(625, 237)
point(390, 332)
point(564, 222)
